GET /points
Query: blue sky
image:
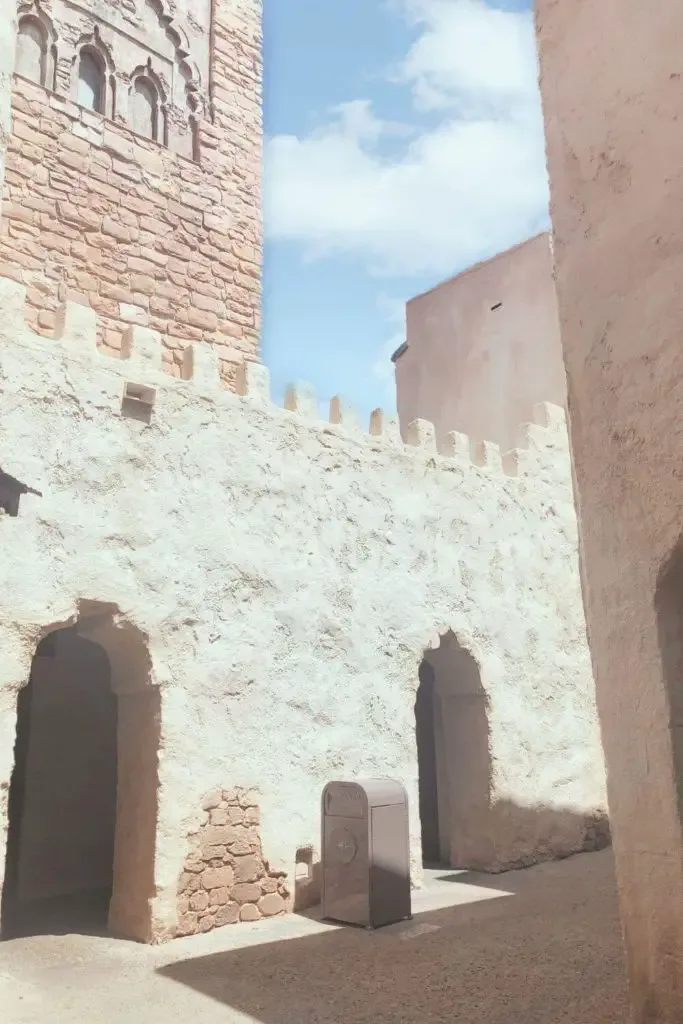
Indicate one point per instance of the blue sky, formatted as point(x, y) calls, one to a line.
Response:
point(403, 142)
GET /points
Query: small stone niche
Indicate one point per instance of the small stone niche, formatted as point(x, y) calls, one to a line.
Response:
point(137, 402)
point(307, 880)
point(225, 878)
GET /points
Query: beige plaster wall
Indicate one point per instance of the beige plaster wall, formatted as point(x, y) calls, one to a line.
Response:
point(615, 154)
point(481, 370)
point(288, 575)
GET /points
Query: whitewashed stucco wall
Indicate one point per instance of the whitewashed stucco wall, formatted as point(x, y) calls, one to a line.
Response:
point(289, 574)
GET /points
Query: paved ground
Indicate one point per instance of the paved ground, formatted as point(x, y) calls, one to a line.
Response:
point(532, 947)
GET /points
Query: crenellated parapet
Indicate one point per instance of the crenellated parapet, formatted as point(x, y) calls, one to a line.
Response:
point(139, 379)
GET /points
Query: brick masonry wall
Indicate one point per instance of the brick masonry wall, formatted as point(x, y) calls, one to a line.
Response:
point(225, 878)
point(95, 213)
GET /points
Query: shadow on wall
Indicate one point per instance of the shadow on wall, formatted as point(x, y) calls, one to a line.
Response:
point(519, 837)
point(537, 955)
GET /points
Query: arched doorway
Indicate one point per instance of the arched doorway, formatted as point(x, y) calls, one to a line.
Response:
point(84, 788)
point(454, 764)
point(62, 801)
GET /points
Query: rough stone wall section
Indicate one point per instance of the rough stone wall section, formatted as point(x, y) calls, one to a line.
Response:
point(95, 213)
point(225, 878)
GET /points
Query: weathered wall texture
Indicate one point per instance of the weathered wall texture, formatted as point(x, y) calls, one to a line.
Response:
point(138, 229)
point(615, 154)
point(471, 367)
point(285, 577)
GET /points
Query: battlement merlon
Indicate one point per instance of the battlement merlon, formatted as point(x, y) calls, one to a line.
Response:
point(140, 377)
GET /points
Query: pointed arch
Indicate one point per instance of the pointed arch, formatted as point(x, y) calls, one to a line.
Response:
point(93, 75)
point(148, 104)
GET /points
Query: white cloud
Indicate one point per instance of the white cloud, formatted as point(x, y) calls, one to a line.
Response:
point(468, 52)
point(470, 185)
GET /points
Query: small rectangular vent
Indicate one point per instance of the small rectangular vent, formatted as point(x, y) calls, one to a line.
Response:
point(138, 402)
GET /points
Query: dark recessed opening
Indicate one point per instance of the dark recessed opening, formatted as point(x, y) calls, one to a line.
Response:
point(62, 798)
point(497, 306)
point(138, 402)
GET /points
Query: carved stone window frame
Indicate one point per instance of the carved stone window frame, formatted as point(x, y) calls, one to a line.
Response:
point(32, 13)
point(93, 44)
point(145, 73)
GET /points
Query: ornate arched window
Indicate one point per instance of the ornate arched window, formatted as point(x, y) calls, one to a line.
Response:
point(92, 83)
point(32, 50)
point(145, 108)
point(147, 104)
point(91, 80)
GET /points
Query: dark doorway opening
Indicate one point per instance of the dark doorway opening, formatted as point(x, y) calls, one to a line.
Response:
point(426, 759)
point(62, 800)
point(454, 761)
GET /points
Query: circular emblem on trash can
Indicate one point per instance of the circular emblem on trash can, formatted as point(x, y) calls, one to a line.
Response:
point(344, 845)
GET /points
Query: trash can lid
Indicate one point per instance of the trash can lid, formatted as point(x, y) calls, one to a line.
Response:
point(378, 792)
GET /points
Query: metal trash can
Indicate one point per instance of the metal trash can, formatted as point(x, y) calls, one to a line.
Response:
point(365, 853)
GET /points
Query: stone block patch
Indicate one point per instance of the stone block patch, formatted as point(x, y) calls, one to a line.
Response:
point(225, 878)
point(598, 833)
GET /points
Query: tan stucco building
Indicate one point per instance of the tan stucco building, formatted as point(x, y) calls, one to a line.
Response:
point(615, 155)
point(213, 605)
point(483, 348)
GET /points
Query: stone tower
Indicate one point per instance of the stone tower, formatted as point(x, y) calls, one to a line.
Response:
point(132, 168)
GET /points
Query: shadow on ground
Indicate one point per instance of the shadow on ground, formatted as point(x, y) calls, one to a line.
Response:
point(82, 913)
point(499, 881)
point(549, 954)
